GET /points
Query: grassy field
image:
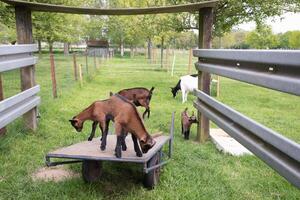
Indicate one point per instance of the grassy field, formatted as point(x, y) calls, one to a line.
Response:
point(195, 172)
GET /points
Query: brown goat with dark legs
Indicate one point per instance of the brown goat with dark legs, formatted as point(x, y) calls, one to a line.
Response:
point(186, 123)
point(126, 118)
point(139, 96)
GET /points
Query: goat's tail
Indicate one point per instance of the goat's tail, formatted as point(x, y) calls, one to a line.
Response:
point(150, 93)
point(151, 90)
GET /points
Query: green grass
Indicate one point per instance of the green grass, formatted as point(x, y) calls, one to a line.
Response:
point(195, 172)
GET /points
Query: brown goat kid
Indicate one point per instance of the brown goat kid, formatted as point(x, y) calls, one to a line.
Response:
point(126, 119)
point(139, 96)
point(186, 123)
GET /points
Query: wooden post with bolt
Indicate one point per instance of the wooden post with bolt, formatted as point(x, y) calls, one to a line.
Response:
point(205, 39)
point(24, 36)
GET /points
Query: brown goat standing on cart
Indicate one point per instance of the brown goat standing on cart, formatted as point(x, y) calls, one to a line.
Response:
point(186, 123)
point(126, 118)
point(139, 96)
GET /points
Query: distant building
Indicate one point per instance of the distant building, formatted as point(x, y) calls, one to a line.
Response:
point(98, 48)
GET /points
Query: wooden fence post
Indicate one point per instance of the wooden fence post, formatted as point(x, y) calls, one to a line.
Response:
point(53, 76)
point(75, 67)
point(205, 38)
point(95, 61)
point(24, 36)
point(173, 64)
point(86, 63)
point(80, 75)
point(167, 59)
point(2, 130)
point(190, 61)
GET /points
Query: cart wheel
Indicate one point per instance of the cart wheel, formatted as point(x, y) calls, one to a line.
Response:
point(151, 178)
point(91, 170)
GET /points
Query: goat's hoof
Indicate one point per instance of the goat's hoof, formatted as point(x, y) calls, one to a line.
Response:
point(118, 154)
point(102, 148)
point(139, 154)
point(90, 139)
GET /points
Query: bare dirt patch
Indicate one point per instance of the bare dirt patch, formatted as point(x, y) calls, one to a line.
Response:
point(56, 174)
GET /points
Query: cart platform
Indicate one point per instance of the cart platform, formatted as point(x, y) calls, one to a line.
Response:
point(91, 156)
point(90, 150)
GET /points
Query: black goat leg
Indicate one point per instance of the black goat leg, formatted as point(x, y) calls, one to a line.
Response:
point(144, 114)
point(123, 142)
point(186, 136)
point(94, 126)
point(136, 146)
point(104, 135)
point(118, 147)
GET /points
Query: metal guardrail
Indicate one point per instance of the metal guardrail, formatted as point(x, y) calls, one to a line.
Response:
point(279, 152)
point(14, 57)
point(278, 70)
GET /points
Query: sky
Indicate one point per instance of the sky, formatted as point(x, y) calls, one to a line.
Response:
point(286, 22)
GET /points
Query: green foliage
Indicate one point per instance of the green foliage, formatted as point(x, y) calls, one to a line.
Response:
point(186, 40)
point(92, 27)
point(7, 35)
point(135, 30)
point(262, 38)
point(294, 40)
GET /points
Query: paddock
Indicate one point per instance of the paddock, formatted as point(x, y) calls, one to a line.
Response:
point(220, 114)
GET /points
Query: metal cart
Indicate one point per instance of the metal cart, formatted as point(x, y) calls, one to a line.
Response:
point(89, 153)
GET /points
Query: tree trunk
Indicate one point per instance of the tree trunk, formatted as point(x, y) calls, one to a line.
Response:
point(149, 48)
point(66, 49)
point(40, 46)
point(162, 52)
point(122, 48)
point(50, 47)
point(131, 52)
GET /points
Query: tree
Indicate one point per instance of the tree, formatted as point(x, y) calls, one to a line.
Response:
point(229, 13)
point(262, 38)
point(294, 39)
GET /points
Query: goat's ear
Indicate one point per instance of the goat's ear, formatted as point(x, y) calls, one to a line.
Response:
point(73, 120)
point(143, 139)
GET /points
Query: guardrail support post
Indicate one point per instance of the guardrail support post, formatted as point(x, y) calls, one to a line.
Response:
point(205, 38)
point(24, 36)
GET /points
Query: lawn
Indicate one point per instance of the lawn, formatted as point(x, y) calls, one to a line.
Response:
point(195, 172)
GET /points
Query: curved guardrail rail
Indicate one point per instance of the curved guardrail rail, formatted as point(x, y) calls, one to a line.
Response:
point(278, 70)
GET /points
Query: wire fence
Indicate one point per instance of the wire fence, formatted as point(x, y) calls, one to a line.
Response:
point(57, 74)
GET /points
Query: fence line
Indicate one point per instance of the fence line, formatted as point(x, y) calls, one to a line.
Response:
point(279, 152)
